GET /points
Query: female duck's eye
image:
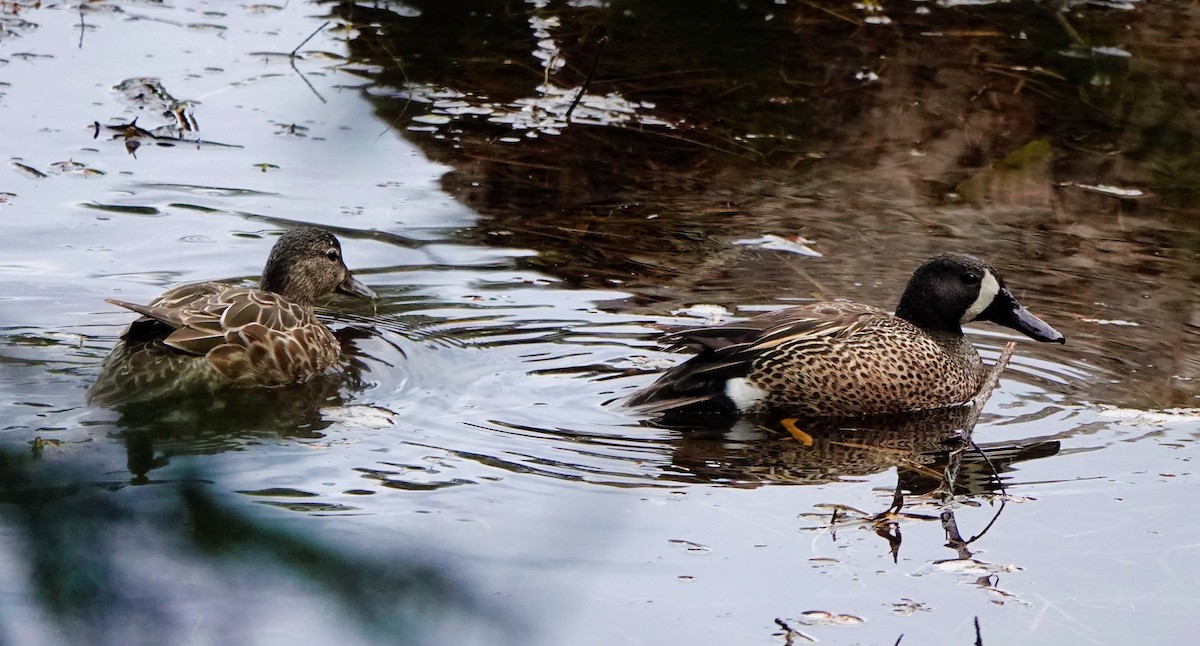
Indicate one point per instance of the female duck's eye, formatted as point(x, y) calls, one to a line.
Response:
point(333, 255)
point(971, 279)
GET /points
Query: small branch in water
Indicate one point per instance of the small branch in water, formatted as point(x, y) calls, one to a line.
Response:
point(295, 69)
point(977, 403)
point(835, 14)
point(587, 80)
point(897, 500)
point(131, 132)
point(953, 538)
point(82, 26)
point(310, 37)
point(991, 522)
point(789, 633)
point(992, 467)
point(293, 56)
point(1066, 25)
point(890, 532)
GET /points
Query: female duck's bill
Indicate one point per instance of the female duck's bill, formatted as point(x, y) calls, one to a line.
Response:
point(352, 286)
point(846, 359)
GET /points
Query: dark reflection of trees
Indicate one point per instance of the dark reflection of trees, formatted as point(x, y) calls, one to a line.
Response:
point(968, 86)
point(90, 557)
point(1011, 104)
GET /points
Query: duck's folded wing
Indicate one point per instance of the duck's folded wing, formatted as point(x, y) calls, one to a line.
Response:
point(192, 312)
point(201, 316)
point(222, 317)
point(729, 351)
point(816, 319)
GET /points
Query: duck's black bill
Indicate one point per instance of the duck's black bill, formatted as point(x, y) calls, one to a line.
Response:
point(1006, 311)
point(352, 287)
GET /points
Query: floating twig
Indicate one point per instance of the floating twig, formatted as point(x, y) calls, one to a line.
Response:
point(588, 79)
point(977, 403)
point(789, 633)
point(295, 69)
point(954, 539)
point(293, 56)
point(131, 131)
point(82, 26)
point(310, 37)
point(839, 16)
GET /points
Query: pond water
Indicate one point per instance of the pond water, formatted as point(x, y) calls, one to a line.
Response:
point(469, 478)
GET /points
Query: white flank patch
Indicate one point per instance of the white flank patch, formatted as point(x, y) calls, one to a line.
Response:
point(743, 393)
point(988, 288)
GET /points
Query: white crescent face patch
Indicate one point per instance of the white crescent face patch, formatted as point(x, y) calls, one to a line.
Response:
point(988, 288)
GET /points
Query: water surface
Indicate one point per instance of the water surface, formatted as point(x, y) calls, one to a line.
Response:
point(524, 260)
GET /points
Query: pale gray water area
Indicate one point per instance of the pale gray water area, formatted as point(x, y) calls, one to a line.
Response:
point(469, 478)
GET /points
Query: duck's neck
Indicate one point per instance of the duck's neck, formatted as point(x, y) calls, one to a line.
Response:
point(921, 309)
point(286, 285)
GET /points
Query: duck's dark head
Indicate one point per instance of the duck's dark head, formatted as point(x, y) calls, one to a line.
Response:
point(306, 264)
point(954, 288)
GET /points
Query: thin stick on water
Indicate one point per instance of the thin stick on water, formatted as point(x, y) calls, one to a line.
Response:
point(310, 37)
point(293, 56)
point(977, 403)
point(587, 80)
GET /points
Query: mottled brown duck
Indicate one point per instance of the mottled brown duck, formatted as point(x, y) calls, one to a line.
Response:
point(846, 359)
point(213, 334)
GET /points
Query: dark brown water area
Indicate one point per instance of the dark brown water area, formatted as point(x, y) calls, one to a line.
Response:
point(534, 189)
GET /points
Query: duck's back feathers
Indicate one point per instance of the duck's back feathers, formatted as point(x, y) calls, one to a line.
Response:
point(730, 352)
point(250, 336)
point(773, 328)
point(187, 318)
point(840, 359)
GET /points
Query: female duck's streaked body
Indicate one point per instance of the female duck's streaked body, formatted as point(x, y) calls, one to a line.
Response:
point(213, 334)
point(847, 359)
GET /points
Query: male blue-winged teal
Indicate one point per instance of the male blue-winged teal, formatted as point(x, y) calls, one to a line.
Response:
point(846, 359)
point(215, 334)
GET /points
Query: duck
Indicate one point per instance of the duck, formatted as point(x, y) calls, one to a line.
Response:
point(215, 334)
point(846, 359)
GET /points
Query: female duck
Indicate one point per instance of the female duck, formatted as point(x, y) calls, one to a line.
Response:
point(846, 359)
point(215, 334)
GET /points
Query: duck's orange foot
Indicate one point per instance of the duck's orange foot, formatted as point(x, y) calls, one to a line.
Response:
point(789, 424)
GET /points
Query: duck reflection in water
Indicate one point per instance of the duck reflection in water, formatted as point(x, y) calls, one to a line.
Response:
point(752, 452)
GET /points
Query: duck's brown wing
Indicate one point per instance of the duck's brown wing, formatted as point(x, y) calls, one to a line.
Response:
point(202, 316)
point(181, 308)
point(728, 351)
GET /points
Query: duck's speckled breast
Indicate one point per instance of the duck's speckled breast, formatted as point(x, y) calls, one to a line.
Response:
point(882, 364)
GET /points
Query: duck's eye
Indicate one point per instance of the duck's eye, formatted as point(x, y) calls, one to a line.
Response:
point(971, 279)
point(332, 254)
